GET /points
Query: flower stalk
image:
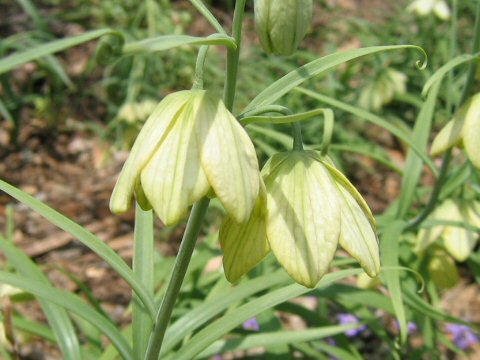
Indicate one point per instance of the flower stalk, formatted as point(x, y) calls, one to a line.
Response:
point(199, 209)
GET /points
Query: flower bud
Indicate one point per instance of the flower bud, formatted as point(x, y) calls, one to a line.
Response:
point(282, 24)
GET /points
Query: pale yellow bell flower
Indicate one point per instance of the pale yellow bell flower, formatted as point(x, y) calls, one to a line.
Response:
point(458, 241)
point(190, 145)
point(463, 129)
point(308, 208)
point(426, 7)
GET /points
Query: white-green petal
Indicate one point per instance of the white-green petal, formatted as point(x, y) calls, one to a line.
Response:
point(244, 245)
point(148, 140)
point(303, 222)
point(451, 133)
point(173, 178)
point(228, 158)
point(357, 236)
point(458, 241)
point(471, 131)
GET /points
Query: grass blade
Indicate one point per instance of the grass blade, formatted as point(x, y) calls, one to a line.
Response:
point(19, 58)
point(220, 327)
point(87, 238)
point(71, 303)
point(57, 317)
point(320, 66)
point(143, 268)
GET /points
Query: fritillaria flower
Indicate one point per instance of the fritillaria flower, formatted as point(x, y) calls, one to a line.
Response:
point(189, 147)
point(425, 7)
point(281, 25)
point(462, 130)
point(306, 207)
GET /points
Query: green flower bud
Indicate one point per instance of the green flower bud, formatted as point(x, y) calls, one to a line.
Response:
point(463, 128)
point(308, 208)
point(282, 24)
point(190, 145)
point(442, 270)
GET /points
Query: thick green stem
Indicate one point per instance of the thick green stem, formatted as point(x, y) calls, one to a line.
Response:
point(181, 264)
point(199, 209)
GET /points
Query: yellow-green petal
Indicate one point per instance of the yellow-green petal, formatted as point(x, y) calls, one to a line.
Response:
point(173, 178)
point(244, 245)
point(228, 158)
point(451, 134)
point(357, 236)
point(303, 223)
point(148, 140)
point(471, 131)
point(458, 241)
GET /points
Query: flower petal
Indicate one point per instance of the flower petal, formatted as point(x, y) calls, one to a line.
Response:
point(471, 131)
point(303, 223)
point(173, 178)
point(149, 138)
point(451, 133)
point(357, 236)
point(227, 157)
point(244, 245)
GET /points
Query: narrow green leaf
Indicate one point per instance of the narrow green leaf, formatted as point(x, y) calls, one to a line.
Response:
point(205, 312)
point(274, 339)
point(374, 119)
point(57, 317)
point(143, 268)
point(414, 164)
point(438, 76)
point(165, 42)
point(285, 119)
point(202, 9)
point(220, 327)
point(71, 303)
point(34, 328)
point(317, 67)
point(87, 238)
point(19, 58)
point(389, 248)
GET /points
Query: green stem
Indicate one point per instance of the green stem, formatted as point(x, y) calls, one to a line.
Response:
point(297, 137)
point(199, 66)
point(179, 270)
point(233, 55)
point(198, 211)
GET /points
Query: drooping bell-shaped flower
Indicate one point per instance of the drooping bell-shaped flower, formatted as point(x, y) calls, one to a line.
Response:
point(308, 208)
point(425, 7)
point(458, 241)
point(463, 129)
point(282, 24)
point(191, 144)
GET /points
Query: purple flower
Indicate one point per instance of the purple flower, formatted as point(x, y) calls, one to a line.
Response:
point(251, 324)
point(462, 336)
point(345, 319)
point(411, 326)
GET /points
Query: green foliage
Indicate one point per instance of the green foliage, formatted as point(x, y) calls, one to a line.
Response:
point(145, 53)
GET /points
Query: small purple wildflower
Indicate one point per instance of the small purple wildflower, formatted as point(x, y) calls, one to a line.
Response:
point(251, 324)
point(345, 319)
point(462, 335)
point(411, 326)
